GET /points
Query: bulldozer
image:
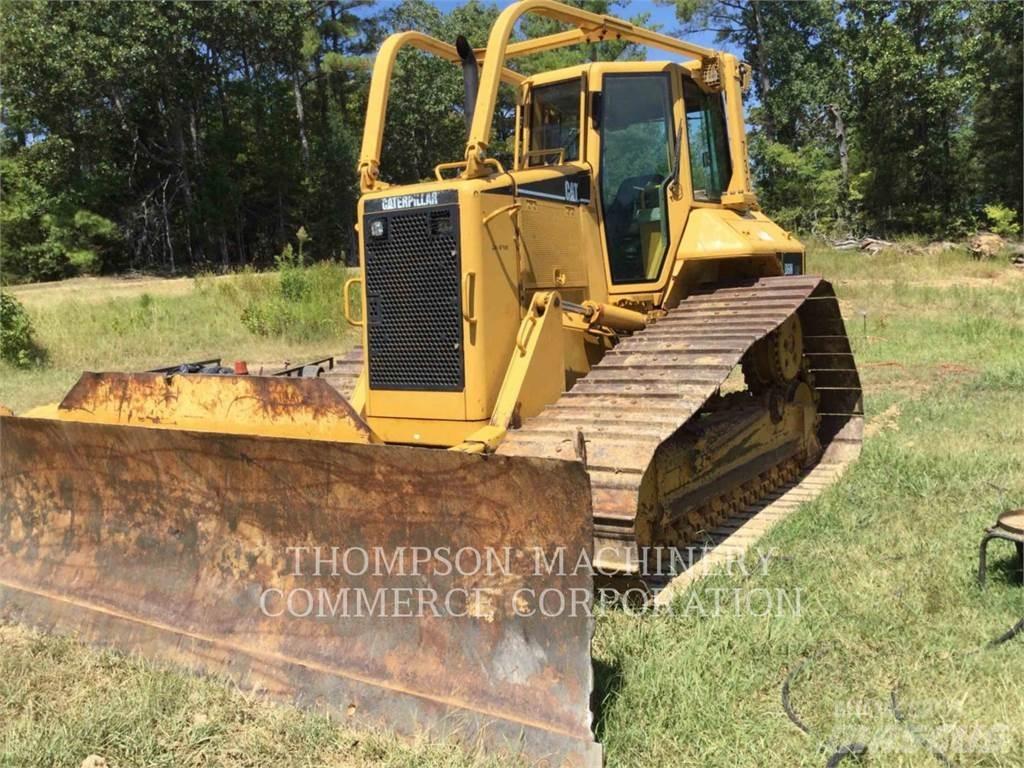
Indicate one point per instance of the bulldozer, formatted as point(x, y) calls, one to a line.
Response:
point(600, 347)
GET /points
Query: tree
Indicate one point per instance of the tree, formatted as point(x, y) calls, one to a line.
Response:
point(799, 111)
point(913, 75)
point(425, 125)
point(181, 136)
point(998, 111)
point(885, 115)
point(205, 132)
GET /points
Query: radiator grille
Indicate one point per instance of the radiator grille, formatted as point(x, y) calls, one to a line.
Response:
point(414, 302)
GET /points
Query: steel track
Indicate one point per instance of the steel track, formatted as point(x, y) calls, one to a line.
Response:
point(653, 382)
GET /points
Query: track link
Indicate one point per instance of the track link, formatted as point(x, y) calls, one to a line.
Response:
point(653, 382)
point(733, 538)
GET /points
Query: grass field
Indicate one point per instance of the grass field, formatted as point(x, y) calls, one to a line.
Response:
point(114, 324)
point(878, 571)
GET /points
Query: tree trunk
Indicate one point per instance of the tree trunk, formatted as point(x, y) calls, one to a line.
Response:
point(225, 258)
point(257, 101)
point(762, 70)
point(240, 237)
point(193, 128)
point(185, 181)
point(174, 113)
point(167, 227)
point(300, 113)
point(844, 157)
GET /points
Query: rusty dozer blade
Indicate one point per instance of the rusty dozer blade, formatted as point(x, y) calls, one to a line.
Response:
point(434, 602)
point(265, 405)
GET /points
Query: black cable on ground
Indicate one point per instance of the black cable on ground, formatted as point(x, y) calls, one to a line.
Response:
point(856, 751)
point(901, 718)
point(1008, 635)
point(787, 705)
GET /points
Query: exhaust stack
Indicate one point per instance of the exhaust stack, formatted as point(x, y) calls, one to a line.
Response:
point(470, 77)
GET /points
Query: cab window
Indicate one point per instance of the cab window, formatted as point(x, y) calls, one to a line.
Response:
point(710, 166)
point(636, 168)
point(554, 124)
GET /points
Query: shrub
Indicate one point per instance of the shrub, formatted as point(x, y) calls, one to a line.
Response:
point(294, 284)
point(16, 343)
point(267, 317)
point(134, 315)
point(1004, 221)
point(41, 261)
point(305, 303)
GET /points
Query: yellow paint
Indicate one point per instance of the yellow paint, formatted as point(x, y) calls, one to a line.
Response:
point(425, 432)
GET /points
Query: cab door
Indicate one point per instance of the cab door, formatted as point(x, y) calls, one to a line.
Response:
point(636, 166)
point(557, 216)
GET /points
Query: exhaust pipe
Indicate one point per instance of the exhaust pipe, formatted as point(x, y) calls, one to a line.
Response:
point(470, 77)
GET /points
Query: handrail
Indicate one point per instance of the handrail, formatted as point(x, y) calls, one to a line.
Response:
point(560, 151)
point(346, 301)
point(440, 168)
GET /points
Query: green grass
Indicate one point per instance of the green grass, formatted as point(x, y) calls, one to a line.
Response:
point(908, 261)
point(148, 330)
point(883, 563)
point(60, 703)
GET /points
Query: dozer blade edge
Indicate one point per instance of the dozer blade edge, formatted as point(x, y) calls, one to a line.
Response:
point(199, 549)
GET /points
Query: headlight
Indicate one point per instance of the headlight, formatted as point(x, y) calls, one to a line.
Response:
point(377, 228)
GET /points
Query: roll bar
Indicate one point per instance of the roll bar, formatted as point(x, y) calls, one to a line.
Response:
point(380, 89)
point(718, 69)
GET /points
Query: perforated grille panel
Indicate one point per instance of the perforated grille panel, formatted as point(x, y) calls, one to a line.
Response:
point(414, 302)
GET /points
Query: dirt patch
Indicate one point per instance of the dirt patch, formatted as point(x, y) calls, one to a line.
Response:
point(911, 381)
point(955, 369)
point(882, 364)
point(886, 420)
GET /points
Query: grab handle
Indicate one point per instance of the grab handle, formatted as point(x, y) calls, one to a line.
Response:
point(346, 303)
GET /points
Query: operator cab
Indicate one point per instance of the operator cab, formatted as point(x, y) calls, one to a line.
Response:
point(622, 126)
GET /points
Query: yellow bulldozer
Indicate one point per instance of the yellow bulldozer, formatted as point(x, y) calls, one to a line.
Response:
point(603, 348)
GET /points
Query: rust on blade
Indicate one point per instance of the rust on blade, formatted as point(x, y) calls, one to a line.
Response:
point(200, 549)
point(268, 405)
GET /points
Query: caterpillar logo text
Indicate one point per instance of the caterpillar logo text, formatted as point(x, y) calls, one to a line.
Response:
point(408, 201)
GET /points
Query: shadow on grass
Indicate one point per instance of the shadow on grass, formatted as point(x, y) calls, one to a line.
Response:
point(608, 681)
point(1003, 568)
